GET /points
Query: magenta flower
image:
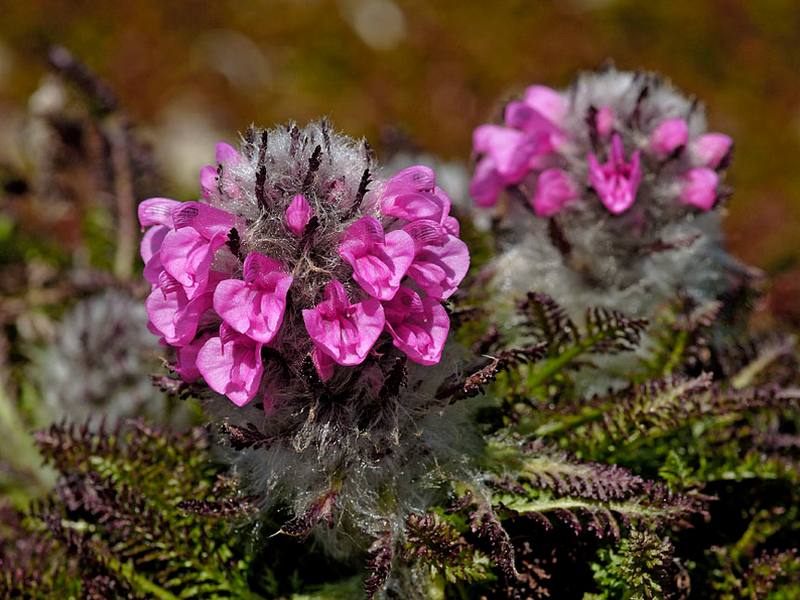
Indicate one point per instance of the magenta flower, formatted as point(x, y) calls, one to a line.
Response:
point(625, 119)
point(231, 365)
point(554, 189)
point(323, 363)
point(486, 183)
point(441, 260)
point(298, 215)
point(710, 149)
point(412, 195)
point(541, 112)
point(668, 136)
point(157, 211)
point(226, 156)
point(511, 151)
point(173, 314)
point(345, 332)
point(419, 326)
point(255, 306)
point(186, 364)
point(411, 180)
point(604, 121)
point(229, 263)
point(616, 181)
point(186, 253)
point(700, 188)
point(379, 260)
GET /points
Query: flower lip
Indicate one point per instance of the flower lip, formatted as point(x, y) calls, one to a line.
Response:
point(379, 260)
point(230, 364)
point(418, 325)
point(254, 306)
point(345, 332)
point(616, 181)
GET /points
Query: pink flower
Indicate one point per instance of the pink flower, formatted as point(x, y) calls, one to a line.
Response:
point(419, 326)
point(511, 151)
point(323, 363)
point(700, 188)
point(412, 194)
point(231, 365)
point(187, 252)
point(486, 183)
point(174, 315)
point(604, 121)
point(547, 102)
point(616, 181)
point(157, 211)
point(379, 260)
point(441, 260)
point(156, 215)
point(227, 156)
point(345, 332)
point(540, 113)
point(298, 214)
point(411, 180)
point(710, 149)
point(668, 136)
point(186, 365)
point(554, 189)
point(254, 307)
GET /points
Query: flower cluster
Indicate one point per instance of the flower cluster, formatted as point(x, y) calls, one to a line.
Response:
point(290, 257)
point(615, 137)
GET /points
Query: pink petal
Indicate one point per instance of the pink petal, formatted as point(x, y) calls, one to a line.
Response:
point(157, 211)
point(226, 155)
point(419, 326)
point(187, 256)
point(345, 332)
point(605, 121)
point(379, 263)
point(434, 206)
point(700, 188)
point(231, 365)
point(554, 189)
point(261, 270)
point(254, 307)
point(208, 180)
point(323, 363)
point(510, 149)
point(486, 183)
point(617, 181)
point(668, 136)
point(175, 316)
point(151, 241)
point(452, 226)
point(537, 127)
point(186, 365)
point(206, 220)
point(441, 261)
point(547, 102)
point(710, 149)
point(298, 214)
point(410, 180)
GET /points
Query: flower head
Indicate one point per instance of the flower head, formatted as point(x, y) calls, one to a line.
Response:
point(625, 136)
point(291, 260)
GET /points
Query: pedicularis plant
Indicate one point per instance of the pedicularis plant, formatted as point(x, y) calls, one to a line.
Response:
point(588, 416)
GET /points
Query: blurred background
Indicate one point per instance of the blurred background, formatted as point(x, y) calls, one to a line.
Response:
point(189, 73)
